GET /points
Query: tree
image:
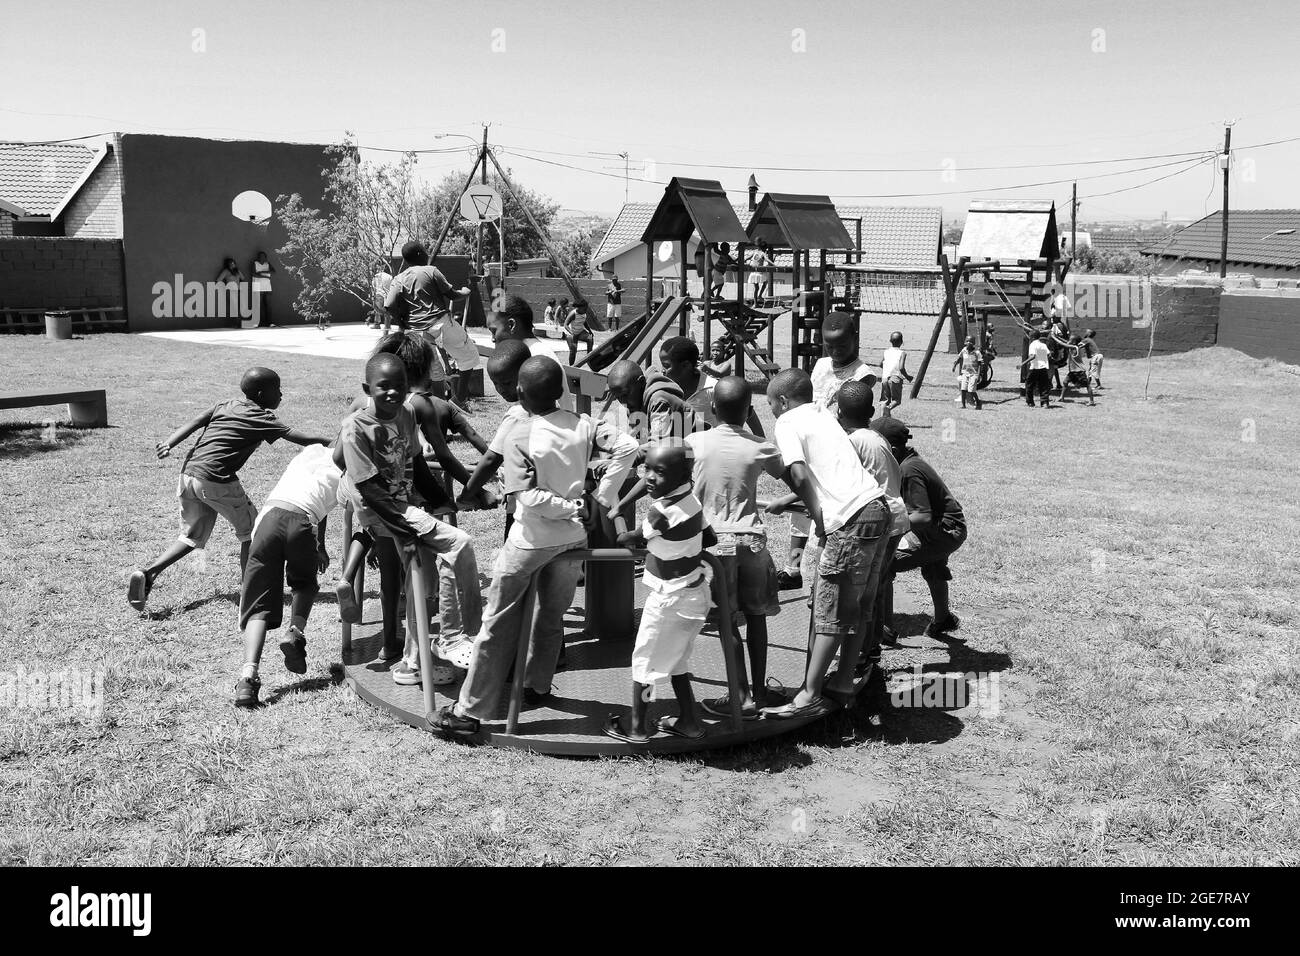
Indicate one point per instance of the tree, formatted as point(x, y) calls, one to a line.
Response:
point(576, 249)
point(372, 208)
point(522, 240)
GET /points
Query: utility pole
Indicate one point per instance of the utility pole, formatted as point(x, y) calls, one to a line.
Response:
point(627, 168)
point(478, 250)
point(1225, 163)
point(1074, 209)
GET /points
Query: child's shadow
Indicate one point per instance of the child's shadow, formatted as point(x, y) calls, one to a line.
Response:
point(167, 613)
point(307, 685)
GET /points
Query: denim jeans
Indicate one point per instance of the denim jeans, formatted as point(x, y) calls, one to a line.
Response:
point(449, 551)
point(498, 639)
point(848, 569)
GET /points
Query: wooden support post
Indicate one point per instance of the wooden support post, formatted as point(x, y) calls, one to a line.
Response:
point(740, 320)
point(684, 322)
point(950, 280)
point(708, 296)
point(649, 279)
point(796, 305)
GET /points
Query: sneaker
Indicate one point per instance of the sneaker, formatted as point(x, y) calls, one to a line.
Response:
point(246, 692)
point(295, 651)
point(447, 722)
point(138, 587)
point(721, 707)
point(787, 581)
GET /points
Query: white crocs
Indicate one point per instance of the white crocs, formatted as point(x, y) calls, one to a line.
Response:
point(458, 653)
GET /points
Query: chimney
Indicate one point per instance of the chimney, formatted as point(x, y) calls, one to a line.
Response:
point(753, 193)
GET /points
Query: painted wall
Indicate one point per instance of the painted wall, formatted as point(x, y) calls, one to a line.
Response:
point(1264, 323)
point(176, 196)
point(96, 211)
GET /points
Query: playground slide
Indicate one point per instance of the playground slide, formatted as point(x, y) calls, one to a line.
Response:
point(635, 340)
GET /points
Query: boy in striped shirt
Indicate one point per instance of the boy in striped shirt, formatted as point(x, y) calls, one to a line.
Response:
point(675, 534)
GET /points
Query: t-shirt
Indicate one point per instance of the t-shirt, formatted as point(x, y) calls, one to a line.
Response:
point(666, 408)
point(893, 365)
point(827, 379)
point(971, 361)
point(232, 434)
point(372, 446)
point(1039, 356)
point(812, 435)
point(757, 259)
point(674, 533)
point(379, 287)
point(427, 294)
point(924, 490)
point(614, 294)
point(546, 462)
point(879, 461)
point(728, 461)
point(575, 324)
point(701, 401)
point(310, 482)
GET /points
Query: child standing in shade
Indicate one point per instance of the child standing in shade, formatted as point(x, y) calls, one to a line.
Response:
point(209, 483)
point(967, 366)
point(675, 533)
point(576, 330)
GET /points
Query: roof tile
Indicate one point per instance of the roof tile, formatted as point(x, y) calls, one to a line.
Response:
point(1266, 237)
point(38, 177)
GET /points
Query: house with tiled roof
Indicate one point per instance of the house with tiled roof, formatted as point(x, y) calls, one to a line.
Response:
point(1261, 242)
point(60, 189)
point(887, 235)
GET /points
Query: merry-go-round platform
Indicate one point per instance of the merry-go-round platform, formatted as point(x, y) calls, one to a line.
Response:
point(596, 682)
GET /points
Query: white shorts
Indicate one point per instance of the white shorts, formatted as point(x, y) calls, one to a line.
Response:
point(670, 623)
point(613, 311)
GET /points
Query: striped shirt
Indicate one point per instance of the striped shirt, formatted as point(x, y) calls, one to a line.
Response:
point(674, 533)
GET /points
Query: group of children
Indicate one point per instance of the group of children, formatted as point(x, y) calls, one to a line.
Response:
point(390, 464)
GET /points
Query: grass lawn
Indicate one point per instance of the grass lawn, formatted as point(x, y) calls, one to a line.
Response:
point(1131, 577)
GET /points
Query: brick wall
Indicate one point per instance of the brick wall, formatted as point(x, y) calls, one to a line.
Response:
point(59, 273)
point(96, 211)
point(6, 225)
point(1264, 323)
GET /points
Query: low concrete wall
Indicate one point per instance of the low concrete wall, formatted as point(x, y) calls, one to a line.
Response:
point(537, 291)
point(58, 273)
point(1262, 322)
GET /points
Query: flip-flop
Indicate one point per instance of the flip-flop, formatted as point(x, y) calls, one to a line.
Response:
point(671, 730)
point(137, 589)
point(816, 707)
point(613, 728)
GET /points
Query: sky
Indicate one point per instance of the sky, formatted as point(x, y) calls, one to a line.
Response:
point(812, 97)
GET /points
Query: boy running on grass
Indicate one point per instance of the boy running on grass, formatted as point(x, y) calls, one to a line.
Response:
point(548, 456)
point(288, 542)
point(386, 481)
point(209, 482)
point(728, 462)
point(967, 365)
point(676, 533)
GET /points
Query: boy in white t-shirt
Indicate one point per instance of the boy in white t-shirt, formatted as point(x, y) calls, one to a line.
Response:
point(893, 372)
point(548, 457)
point(839, 364)
point(848, 511)
point(288, 542)
point(1039, 378)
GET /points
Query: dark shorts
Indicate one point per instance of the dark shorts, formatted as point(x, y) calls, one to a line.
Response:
point(283, 549)
point(848, 571)
point(748, 575)
point(931, 557)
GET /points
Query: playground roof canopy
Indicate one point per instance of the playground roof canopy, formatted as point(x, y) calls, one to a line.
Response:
point(1009, 230)
point(694, 205)
point(796, 221)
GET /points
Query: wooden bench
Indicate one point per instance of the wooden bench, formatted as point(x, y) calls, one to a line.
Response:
point(87, 408)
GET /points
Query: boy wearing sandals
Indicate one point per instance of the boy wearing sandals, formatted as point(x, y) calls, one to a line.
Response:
point(848, 511)
point(728, 463)
point(675, 533)
point(288, 543)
